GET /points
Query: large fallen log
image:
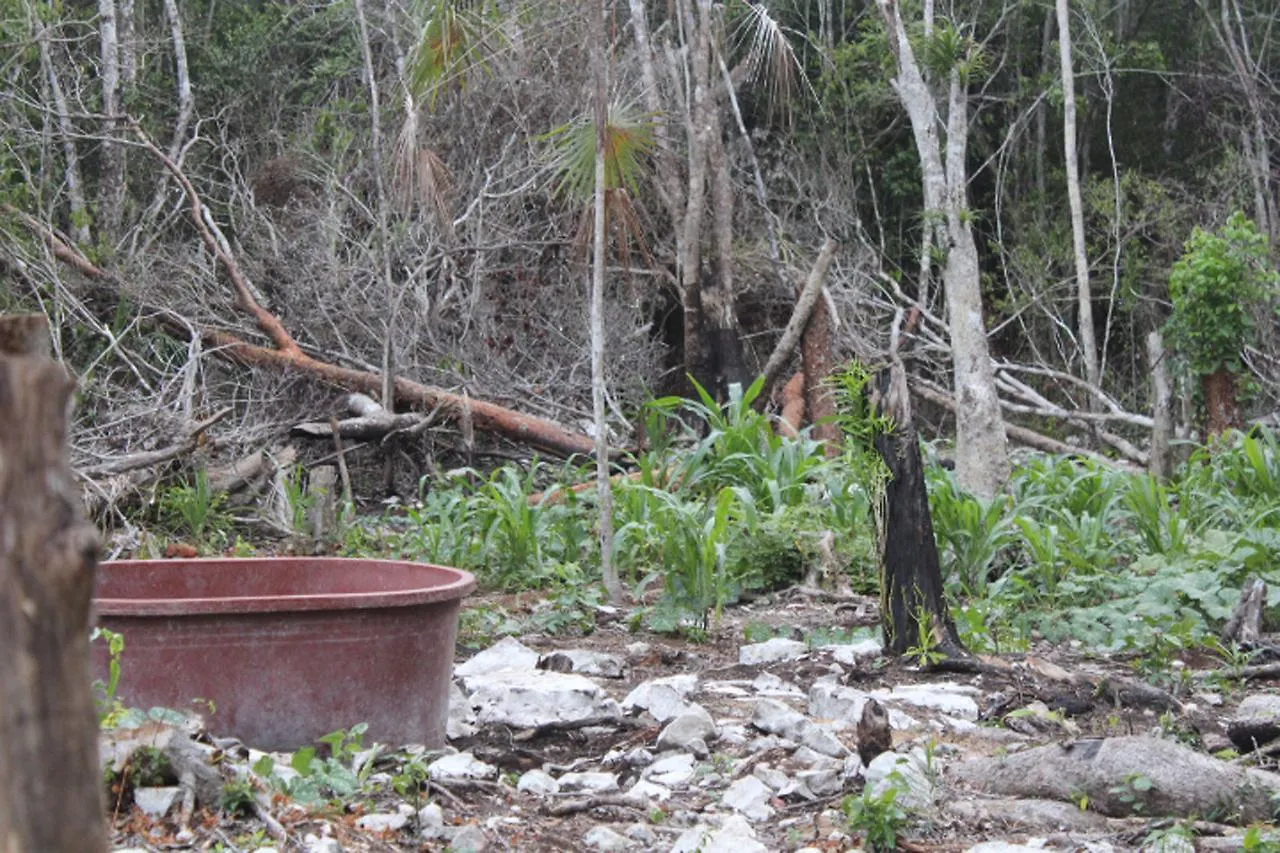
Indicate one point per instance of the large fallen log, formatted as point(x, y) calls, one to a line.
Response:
point(1124, 776)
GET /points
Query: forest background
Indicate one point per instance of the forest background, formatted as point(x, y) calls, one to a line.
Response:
point(243, 205)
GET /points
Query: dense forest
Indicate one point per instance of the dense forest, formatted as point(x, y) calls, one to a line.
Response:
point(245, 205)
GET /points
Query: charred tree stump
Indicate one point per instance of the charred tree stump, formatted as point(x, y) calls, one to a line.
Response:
point(50, 796)
point(913, 604)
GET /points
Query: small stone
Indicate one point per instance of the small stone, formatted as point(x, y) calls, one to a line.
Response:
point(674, 771)
point(461, 765)
point(266, 850)
point(382, 822)
point(641, 833)
point(506, 654)
point(664, 698)
point(469, 839)
point(734, 836)
point(823, 783)
point(650, 791)
point(584, 662)
point(953, 699)
point(694, 724)
point(537, 782)
point(852, 654)
point(604, 838)
point(750, 797)
point(768, 684)
point(322, 845)
point(596, 782)
point(771, 651)
point(529, 699)
point(156, 802)
point(431, 815)
point(771, 776)
point(913, 778)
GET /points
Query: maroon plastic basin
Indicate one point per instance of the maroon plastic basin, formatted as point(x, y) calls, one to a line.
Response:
point(287, 649)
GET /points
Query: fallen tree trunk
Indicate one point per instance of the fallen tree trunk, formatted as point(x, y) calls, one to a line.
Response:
point(488, 417)
point(50, 784)
point(1122, 776)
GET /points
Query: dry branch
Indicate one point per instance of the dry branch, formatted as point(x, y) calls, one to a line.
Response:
point(800, 315)
point(490, 417)
point(1021, 435)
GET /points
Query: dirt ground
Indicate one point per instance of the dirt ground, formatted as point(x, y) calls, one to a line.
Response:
point(522, 822)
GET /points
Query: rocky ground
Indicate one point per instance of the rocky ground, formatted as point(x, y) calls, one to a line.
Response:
point(634, 741)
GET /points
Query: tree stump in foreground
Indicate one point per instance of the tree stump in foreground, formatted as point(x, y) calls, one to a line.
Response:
point(913, 604)
point(50, 782)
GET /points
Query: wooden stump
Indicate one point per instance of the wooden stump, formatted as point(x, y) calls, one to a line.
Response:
point(50, 781)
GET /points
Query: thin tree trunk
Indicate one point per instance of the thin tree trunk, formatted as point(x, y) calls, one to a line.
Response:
point(1161, 457)
point(75, 184)
point(393, 296)
point(1084, 295)
point(1042, 109)
point(600, 68)
point(668, 173)
point(50, 780)
point(695, 197)
point(982, 451)
point(186, 109)
point(724, 340)
point(111, 180)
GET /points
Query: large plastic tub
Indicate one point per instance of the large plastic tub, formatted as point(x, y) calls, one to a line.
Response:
point(287, 649)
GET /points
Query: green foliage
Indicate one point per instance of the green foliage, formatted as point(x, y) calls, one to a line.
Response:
point(879, 818)
point(629, 137)
point(237, 798)
point(1134, 791)
point(1215, 287)
point(316, 780)
point(196, 510)
point(109, 705)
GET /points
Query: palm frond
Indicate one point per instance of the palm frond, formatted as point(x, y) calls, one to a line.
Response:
point(629, 137)
point(768, 54)
point(452, 33)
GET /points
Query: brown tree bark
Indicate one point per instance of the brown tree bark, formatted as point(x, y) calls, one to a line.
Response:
point(1220, 400)
point(815, 354)
point(50, 798)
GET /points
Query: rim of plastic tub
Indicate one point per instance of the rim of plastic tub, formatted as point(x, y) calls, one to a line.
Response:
point(461, 584)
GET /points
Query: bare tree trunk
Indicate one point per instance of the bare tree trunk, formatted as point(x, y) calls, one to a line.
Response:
point(726, 361)
point(186, 109)
point(982, 451)
point(600, 68)
point(75, 184)
point(1161, 457)
point(50, 784)
point(384, 235)
point(668, 173)
point(699, 132)
point(1042, 108)
point(111, 181)
point(1084, 296)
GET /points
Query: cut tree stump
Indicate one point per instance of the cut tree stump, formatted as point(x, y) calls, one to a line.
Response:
point(50, 797)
